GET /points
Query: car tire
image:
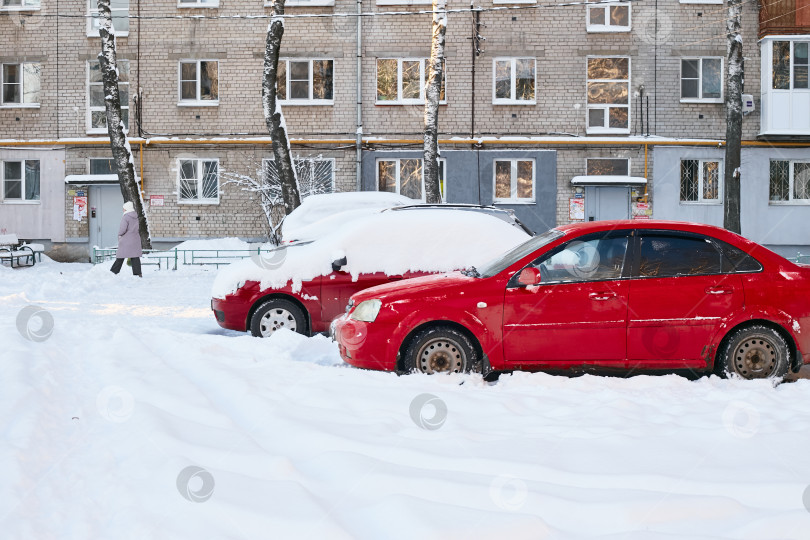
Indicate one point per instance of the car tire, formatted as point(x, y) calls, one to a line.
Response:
point(275, 314)
point(755, 352)
point(440, 349)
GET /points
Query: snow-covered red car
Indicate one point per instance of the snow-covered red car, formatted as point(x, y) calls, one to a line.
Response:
point(630, 295)
point(305, 286)
point(321, 214)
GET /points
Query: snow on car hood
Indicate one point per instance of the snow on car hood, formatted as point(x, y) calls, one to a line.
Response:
point(390, 242)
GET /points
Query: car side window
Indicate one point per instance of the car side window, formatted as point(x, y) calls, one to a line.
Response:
point(736, 260)
point(589, 259)
point(662, 255)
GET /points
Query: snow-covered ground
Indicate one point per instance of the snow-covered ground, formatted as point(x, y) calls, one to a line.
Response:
point(135, 416)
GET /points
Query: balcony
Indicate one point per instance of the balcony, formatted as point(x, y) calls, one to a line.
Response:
point(784, 17)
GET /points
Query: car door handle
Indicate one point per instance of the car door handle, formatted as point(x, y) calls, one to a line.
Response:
point(602, 295)
point(719, 290)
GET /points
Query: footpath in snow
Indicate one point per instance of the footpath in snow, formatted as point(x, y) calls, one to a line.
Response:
point(131, 414)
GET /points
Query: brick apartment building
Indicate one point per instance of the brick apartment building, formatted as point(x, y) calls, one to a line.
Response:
point(565, 113)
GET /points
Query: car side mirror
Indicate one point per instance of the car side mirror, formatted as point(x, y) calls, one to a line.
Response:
point(529, 276)
point(337, 264)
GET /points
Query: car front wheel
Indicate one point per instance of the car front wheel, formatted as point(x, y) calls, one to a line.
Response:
point(275, 314)
point(441, 350)
point(756, 352)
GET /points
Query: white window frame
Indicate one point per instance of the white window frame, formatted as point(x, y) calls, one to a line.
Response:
point(605, 128)
point(398, 187)
point(92, 7)
point(310, 100)
point(513, 81)
point(199, 200)
point(403, 2)
point(607, 27)
point(22, 199)
point(25, 5)
point(89, 119)
point(701, 1)
point(608, 157)
point(423, 71)
point(791, 74)
point(305, 3)
point(20, 105)
point(513, 198)
point(720, 173)
point(196, 102)
point(701, 99)
point(311, 160)
point(791, 177)
point(198, 4)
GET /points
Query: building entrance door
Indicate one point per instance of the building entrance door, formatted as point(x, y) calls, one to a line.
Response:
point(607, 202)
point(106, 202)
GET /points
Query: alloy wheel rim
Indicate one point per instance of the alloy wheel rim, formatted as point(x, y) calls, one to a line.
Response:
point(276, 319)
point(755, 358)
point(441, 355)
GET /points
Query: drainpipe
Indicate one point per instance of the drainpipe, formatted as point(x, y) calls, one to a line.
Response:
point(359, 132)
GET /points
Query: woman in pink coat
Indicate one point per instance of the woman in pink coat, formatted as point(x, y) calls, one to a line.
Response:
point(129, 241)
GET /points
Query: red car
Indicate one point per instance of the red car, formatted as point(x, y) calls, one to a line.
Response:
point(304, 287)
point(620, 294)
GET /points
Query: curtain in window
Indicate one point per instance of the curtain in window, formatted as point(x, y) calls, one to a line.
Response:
point(32, 180)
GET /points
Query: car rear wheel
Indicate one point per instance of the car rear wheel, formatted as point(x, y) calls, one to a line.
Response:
point(756, 352)
point(276, 314)
point(441, 350)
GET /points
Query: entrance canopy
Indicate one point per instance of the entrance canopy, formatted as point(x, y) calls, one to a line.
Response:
point(94, 179)
point(608, 180)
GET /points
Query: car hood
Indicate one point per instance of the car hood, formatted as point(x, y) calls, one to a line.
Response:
point(435, 285)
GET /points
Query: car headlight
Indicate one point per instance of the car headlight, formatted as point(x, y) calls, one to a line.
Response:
point(366, 311)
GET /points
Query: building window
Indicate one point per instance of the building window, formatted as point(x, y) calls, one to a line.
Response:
point(21, 84)
point(102, 166)
point(702, 80)
point(305, 81)
point(406, 177)
point(700, 181)
point(19, 4)
point(608, 95)
point(514, 180)
point(198, 180)
point(21, 180)
point(402, 81)
point(198, 3)
point(309, 3)
point(789, 65)
point(513, 81)
point(199, 82)
point(609, 18)
point(790, 181)
point(607, 167)
point(119, 10)
point(96, 109)
point(315, 176)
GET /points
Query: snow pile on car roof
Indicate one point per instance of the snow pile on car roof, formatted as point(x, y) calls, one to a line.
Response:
point(320, 214)
point(388, 242)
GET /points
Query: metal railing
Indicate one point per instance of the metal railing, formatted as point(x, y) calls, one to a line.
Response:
point(171, 259)
point(799, 258)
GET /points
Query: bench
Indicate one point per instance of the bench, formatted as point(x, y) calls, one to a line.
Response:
point(24, 254)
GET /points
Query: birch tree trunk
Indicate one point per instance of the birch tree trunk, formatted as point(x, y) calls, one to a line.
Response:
point(432, 96)
point(731, 180)
point(121, 150)
point(273, 116)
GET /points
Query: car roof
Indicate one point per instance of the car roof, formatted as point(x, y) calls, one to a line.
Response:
point(504, 214)
point(719, 233)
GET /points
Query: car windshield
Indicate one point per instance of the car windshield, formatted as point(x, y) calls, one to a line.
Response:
point(502, 262)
